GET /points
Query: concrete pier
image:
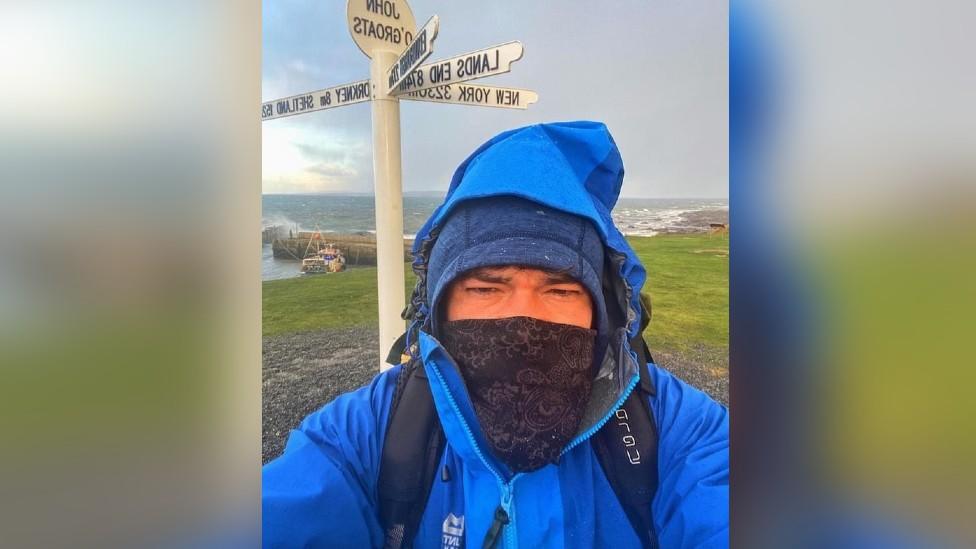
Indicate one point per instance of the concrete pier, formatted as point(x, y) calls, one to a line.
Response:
point(357, 248)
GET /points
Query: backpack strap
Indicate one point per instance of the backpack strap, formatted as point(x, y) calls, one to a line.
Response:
point(626, 446)
point(412, 449)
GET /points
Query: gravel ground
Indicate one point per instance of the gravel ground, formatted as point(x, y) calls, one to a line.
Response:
point(302, 372)
point(707, 369)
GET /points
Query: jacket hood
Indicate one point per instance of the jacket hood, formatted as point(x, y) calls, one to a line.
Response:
point(573, 167)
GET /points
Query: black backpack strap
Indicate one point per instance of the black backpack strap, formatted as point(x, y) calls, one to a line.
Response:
point(626, 447)
point(412, 449)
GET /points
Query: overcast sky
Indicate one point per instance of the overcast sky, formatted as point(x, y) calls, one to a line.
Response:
point(656, 72)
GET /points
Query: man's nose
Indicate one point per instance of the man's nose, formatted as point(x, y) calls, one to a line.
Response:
point(526, 303)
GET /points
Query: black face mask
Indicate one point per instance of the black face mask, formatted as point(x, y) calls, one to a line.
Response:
point(529, 381)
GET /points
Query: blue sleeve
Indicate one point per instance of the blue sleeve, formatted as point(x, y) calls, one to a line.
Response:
point(691, 508)
point(321, 492)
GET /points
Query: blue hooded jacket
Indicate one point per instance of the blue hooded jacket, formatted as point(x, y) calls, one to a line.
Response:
point(322, 491)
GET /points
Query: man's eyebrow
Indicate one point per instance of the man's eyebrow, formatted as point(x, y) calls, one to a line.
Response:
point(494, 275)
point(560, 278)
point(487, 274)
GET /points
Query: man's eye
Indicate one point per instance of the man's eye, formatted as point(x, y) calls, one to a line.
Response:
point(561, 292)
point(481, 290)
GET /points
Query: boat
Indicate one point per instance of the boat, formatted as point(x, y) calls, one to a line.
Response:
point(324, 258)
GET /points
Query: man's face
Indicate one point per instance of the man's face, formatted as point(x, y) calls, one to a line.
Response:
point(501, 292)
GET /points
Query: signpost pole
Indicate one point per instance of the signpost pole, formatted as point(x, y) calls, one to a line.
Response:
point(387, 187)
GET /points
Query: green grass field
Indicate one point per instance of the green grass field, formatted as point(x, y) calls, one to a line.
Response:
point(688, 281)
point(324, 301)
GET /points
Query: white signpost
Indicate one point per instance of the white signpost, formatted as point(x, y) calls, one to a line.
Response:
point(415, 54)
point(464, 67)
point(386, 32)
point(473, 94)
point(336, 96)
point(380, 25)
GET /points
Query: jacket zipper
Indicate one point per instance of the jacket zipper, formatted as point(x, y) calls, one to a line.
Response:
point(505, 513)
point(503, 522)
point(620, 402)
point(508, 506)
point(599, 425)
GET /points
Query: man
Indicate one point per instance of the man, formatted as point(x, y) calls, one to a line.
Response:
point(525, 317)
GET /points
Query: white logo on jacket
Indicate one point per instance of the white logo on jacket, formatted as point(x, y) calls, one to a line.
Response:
point(453, 531)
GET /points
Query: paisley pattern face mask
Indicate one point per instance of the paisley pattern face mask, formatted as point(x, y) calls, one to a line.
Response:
point(529, 381)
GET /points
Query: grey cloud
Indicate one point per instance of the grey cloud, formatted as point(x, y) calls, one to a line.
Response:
point(334, 170)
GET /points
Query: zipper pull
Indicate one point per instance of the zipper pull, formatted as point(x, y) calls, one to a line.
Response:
point(494, 533)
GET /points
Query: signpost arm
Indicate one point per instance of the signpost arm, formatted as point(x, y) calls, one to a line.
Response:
point(387, 187)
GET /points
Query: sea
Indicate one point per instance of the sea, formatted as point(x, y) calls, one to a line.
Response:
point(354, 213)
